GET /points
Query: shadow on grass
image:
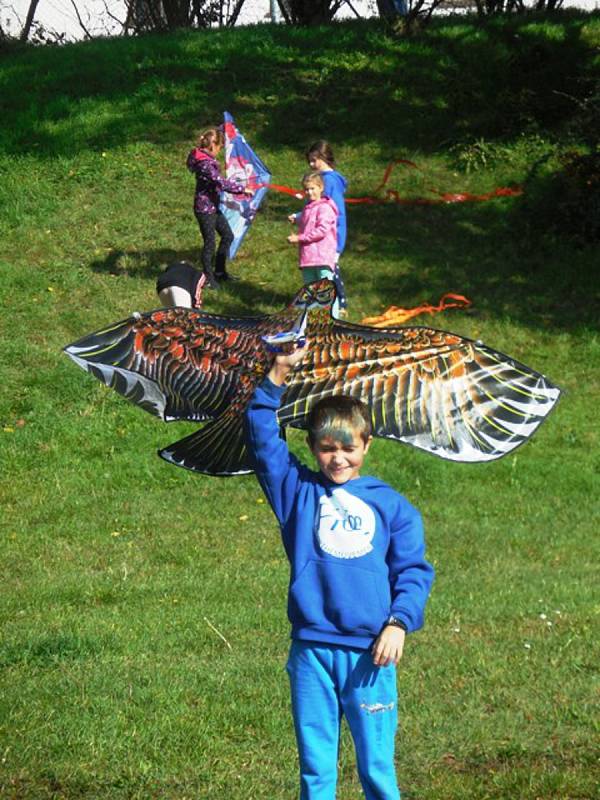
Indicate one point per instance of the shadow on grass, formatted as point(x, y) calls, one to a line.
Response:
point(52, 649)
point(458, 79)
point(481, 251)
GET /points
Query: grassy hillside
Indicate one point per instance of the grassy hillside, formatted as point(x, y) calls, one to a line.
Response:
point(144, 631)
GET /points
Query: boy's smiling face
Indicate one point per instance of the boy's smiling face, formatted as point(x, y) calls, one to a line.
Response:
point(340, 459)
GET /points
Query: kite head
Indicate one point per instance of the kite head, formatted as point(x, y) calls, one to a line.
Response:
point(319, 295)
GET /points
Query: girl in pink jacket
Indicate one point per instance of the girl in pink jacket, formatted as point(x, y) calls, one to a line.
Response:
point(317, 232)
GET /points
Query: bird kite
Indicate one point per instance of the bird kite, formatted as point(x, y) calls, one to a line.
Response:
point(243, 166)
point(434, 390)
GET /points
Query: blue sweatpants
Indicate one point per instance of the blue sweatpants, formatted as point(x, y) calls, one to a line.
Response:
point(328, 682)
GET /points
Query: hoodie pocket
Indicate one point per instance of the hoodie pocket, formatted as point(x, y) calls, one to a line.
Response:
point(347, 598)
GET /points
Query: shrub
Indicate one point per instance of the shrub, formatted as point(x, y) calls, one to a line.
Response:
point(566, 199)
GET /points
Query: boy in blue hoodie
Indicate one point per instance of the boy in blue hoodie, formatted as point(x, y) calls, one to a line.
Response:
point(359, 582)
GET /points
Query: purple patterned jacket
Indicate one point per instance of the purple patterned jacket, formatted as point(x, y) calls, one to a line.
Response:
point(209, 181)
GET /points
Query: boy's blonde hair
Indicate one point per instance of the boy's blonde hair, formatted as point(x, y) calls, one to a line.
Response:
point(339, 417)
point(313, 177)
point(211, 136)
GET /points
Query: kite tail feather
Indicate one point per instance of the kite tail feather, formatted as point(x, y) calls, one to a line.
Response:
point(219, 449)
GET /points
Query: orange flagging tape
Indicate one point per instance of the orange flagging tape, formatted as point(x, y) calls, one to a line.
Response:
point(392, 196)
point(395, 315)
point(285, 189)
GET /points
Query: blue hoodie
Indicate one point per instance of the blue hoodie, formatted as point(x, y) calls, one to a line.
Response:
point(356, 550)
point(334, 188)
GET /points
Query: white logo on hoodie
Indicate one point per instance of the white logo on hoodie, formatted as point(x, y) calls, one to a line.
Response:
point(345, 525)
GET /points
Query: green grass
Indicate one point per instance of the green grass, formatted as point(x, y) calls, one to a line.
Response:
point(118, 568)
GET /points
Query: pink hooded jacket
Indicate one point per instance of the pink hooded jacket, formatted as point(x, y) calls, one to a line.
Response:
point(317, 234)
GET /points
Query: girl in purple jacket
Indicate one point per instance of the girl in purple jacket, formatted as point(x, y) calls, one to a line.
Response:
point(202, 161)
point(317, 233)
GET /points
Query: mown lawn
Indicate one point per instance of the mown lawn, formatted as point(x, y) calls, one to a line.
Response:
point(143, 608)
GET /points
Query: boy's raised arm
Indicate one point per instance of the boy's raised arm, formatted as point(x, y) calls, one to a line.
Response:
point(276, 468)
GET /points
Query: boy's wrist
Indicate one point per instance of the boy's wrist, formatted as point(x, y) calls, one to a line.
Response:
point(278, 373)
point(395, 622)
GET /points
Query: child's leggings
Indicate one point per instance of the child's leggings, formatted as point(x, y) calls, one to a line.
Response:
point(326, 683)
point(209, 223)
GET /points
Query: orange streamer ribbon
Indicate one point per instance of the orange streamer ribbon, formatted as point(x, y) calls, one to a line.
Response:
point(395, 315)
point(391, 195)
point(285, 189)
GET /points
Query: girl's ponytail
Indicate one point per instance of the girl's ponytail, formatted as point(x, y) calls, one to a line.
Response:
point(209, 137)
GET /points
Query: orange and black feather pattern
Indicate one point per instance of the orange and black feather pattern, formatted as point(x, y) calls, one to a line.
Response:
point(434, 390)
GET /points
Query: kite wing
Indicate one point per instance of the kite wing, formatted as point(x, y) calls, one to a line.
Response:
point(431, 389)
point(176, 363)
point(436, 391)
point(244, 166)
point(180, 364)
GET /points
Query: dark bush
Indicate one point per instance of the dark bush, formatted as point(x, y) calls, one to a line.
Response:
point(564, 199)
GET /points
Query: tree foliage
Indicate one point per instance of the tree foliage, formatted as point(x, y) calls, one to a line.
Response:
point(489, 7)
point(309, 12)
point(168, 15)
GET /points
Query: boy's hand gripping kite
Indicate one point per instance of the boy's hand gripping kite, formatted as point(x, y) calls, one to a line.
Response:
point(296, 335)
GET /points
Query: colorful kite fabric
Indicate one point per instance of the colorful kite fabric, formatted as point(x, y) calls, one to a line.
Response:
point(244, 166)
point(434, 390)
